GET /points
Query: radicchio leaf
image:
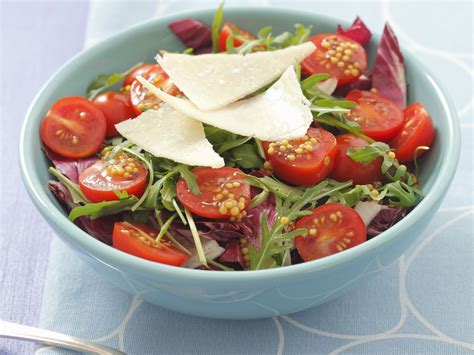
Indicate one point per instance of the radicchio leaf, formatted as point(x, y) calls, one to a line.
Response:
point(386, 218)
point(357, 32)
point(388, 76)
point(71, 168)
point(100, 228)
point(233, 253)
point(193, 33)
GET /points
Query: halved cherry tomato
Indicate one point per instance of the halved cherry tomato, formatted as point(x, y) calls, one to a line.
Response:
point(139, 240)
point(378, 117)
point(142, 69)
point(123, 173)
point(73, 127)
point(347, 169)
point(224, 193)
point(142, 99)
point(418, 130)
point(303, 161)
point(336, 55)
point(116, 108)
point(227, 29)
point(332, 228)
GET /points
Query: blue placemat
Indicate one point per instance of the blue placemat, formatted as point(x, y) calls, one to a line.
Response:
point(422, 304)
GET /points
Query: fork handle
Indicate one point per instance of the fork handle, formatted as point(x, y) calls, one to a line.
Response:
point(47, 337)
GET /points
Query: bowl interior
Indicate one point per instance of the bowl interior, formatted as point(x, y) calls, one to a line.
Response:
point(141, 43)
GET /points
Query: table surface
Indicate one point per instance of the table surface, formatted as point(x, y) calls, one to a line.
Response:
point(37, 37)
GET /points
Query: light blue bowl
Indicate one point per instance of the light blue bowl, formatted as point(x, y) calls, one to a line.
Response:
point(237, 295)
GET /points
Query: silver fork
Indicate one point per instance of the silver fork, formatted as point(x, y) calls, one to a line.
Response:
point(47, 337)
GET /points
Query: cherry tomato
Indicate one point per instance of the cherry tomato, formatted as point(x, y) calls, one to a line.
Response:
point(139, 240)
point(73, 127)
point(116, 108)
point(231, 28)
point(303, 161)
point(417, 130)
point(336, 55)
point(224, 193)
point(347, 169)
point(123, 173)
point(332, 228)
point(127, 82)
point(378, 117)
point(142, 99)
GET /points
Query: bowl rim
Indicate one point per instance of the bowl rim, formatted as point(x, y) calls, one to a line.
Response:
point(134, 265)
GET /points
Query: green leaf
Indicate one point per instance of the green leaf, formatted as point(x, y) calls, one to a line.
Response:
point(229, 44)
point(400, 194)
point(335, 103)
point(168, 193)
point(341, 122)
point(216, 25)
point(224, 147)
point(312, 80)
point(96, 210)
point(275, 242)
point(196, 238)
point(105, 81)
point(74, 189)
point(190, 178)
point(368, 153)
point(247, 157)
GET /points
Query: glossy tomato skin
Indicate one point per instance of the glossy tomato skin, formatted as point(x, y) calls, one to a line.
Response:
point(299, 165)
point(224, 193)
point(332, 228)
point(116, 108)
point(140, 97)
point(142, 69)
point(73, 127)
point(227, 29)
point(98, 183)
point(379, 118)
point(347, 169)
point(139, 240)
point(336, 55)
point(418, 130)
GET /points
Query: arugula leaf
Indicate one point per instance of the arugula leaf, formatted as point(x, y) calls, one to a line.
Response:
point(311, 81)
point(99, 209)
point(168, 234)
point(224, 147)
point(341, 122)
point(196, 238)
point(74, 189)
point(266, 41)
point(190, 178)
point(168, 193)
point(105, 81)
point(277, 240)
point(247, 157)
point(400, 194)
point(276, 187)
point(216, 25)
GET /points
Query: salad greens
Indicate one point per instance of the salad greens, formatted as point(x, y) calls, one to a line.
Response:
point(267, 237)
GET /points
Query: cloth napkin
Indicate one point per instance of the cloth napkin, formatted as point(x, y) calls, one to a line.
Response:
point(421, 304)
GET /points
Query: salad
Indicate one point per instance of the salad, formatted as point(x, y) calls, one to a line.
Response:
point(245, 152)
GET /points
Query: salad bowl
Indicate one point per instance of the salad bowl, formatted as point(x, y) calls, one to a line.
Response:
point(245, 294)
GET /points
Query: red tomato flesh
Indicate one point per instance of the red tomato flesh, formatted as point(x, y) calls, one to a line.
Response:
point(417, 130)
point(224, 193)
point(379, 118)
point(142, 69)
point(332, 228)
point(303, 161)
point(123, 173)
point(73, 127)
point(116, 108)
point(231, 28)
point(336, 55)
point(140, 96)
point(139, 240)
point(347, 169)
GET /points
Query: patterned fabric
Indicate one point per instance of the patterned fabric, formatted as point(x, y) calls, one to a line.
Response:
point(422, 304)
